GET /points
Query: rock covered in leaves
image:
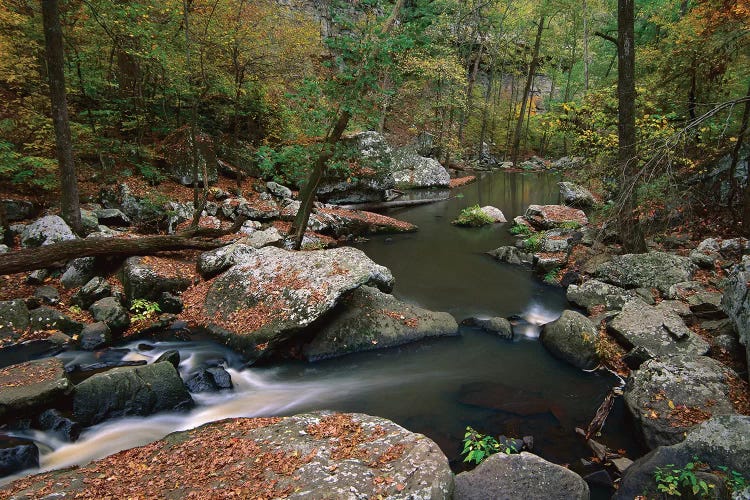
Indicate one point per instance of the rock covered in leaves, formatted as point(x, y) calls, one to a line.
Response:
point(572, 337)
point(575, 195)
point(722, 441)
point(29, 387)
point(309, 456)
point(343, 222)
point(275, 293)
point(524, 475)
point(370, 319)
point(646, 270)
point(411, 171)
point(553, 216)
point(130, 390)
point(143, 279)
point(46, 231)
point(667, 397)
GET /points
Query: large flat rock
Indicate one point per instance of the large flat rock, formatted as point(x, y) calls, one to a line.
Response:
point(309, 456)
point(31, 386)
point(370, 319)
point(658, 270)
point(274, 294)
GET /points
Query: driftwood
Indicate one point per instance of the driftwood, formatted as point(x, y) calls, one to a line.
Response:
point(381, 205)
point(601, 414)
point(30, 259)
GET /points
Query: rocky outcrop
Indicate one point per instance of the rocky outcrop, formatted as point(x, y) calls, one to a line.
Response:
point(593, 293)
point(524, 475)
point(658, 270)
point(572, 338)
point(310, 456)
point(30, 387)
point(46, 231)
point(736, 301)
point(576, 196)
point(275, 293)
point(722, 441)
point(370, 319)
point(667, 397)
point(219, 260)
point(411, 171)
point(659, 330)
point(141, 280)
point(554, 216)
point(130, 390)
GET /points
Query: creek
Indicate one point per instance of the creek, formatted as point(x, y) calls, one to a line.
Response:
point(434, 387)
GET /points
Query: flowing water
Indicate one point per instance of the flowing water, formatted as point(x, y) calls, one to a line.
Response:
point(435, 387)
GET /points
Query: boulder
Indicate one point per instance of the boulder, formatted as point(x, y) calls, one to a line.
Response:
point(45, 318)
point(569, 163)
point(309, 456)
point(47, 295)
point(736, 301)
point(512, 255)
point(46, 231)
point(498, 326)
point(147, 211)
point(141, 280)
point(128, 391)
point(17, 210)
point(17, 457)
point(264, 238)
point(95, 336)
point(572, 338)
point(257, 209)
point(89, 222)
point(79, 272)
point(209, 380)
point(30, 387)
point(658, 270)
point(14, 318)
point(506, 477)
point(217, 261)
point(554, 216)
point(344, 222)
point(55, 422)
point(411, 171)
point(97, 288)
point(110, 311)
point(369, 319)
point(494, 213)
point(657, 329)
point(594, 293)
point(112, 217)
point(668, 396)
point(576, 196)
point(722, 441)
point(275, 293)
point(279, 190)
point(171, 356)
point(169, 303)
point(177, 150)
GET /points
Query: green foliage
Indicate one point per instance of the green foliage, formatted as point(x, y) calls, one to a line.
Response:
point(571, 224)
point(734, 480)
point(286, 165)
point(551, 276)
point(520, 230)
point(479, 446)
point(32, 171)
point(534, 242)
point(672, 480)
point(473, 217)
point(143, 309)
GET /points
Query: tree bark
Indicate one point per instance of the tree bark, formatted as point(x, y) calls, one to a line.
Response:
point(69, 203)
point(527, 90)
point(628, 225)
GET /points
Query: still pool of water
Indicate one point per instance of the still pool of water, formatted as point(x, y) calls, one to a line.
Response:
point(435, 387)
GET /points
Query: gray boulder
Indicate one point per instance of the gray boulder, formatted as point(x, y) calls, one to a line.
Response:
point(29, 387)
point(369, 319)
point(512, 255)
point(47, 295)
point(78, 272)
point(575, 195)
point(510, 477)
point(140, 280)
point(110, 311)
point(45, 318)
point(342, 456)
point(736, 301)
point(411, 171)
point(95, 336)
point(593, 293)
point(128, 391)
point(217, 261)
point(264, 238)
point(657, 329)
point(665, 395)
point(279, 190)
point(572, 338)
point(497, 326)
point(554, 216)
point(22, 456)
point(494, 213)
point(112, 217)
point(14, 318)
point(646, 270)
point(275, 293)
point(722, 441)
point(17, 210)
point(97, 288)
point(89, 222)
point(46, 231)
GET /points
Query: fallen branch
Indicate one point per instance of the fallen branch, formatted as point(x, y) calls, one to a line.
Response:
point(30, 259)
point(380, 205)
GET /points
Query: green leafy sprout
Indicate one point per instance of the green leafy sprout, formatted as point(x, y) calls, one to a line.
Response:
point(478, 446)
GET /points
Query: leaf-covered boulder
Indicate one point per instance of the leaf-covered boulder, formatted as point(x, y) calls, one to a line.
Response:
point(573, 338)
point(369, 319)
point(309, 456)
point(30, 387)
point(14, 318)
point(274, 294)
point(146, 278)
point(544, 217)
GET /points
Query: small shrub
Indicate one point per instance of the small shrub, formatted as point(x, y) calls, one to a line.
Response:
point(520, 230)
point(551, 276)
point(473, 217)
point(571, 224)
point(534, 242)
point(478, 446)
point(144, 309)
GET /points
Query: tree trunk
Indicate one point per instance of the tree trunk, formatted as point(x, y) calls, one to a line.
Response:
point(628, 225)
point(733, 168)
point(586, 60)
point(527, 90)
point(69, 203)
point(466, 112)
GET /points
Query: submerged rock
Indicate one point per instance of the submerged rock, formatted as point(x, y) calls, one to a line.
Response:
point(667, 397)
point(309, 456)
point(138, 390)
point(646, 270)
point(525, 475)
point(370, 319)
point(276, 293)
point(29, 387)
point(498, 326)
point(572, 338)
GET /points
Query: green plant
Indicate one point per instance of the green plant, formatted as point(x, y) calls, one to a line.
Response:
point(520, 230)
point(733, 479)
point(534, 242)
point(571, 224)
point(551, 276)
point(673, 480)
point(75, 310)
point(478, 446)
point(473, 217)
point(143, 309)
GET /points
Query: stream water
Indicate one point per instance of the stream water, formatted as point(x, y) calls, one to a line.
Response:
point(435, 387)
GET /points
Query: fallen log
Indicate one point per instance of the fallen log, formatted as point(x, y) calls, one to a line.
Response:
point(30, 259)
point(381, 205)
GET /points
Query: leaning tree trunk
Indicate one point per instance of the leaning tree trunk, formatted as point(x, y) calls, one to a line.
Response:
point(53, 43)
point(628, 225)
